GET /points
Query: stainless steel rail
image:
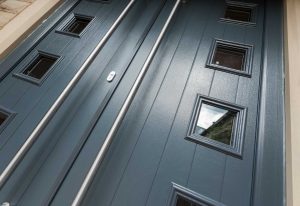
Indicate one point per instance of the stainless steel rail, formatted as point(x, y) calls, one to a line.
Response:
point(50, 113)
point(100, 156)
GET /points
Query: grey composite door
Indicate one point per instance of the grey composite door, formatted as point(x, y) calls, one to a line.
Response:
point(191, 134)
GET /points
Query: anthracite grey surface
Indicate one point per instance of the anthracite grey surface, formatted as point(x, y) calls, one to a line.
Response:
point(150, 153)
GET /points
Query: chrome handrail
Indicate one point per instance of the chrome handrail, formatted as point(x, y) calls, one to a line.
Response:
point(100, 156)
point(58, 102)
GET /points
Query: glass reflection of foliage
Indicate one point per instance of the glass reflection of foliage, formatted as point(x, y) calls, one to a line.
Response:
point(216, 123)
point(222, 129)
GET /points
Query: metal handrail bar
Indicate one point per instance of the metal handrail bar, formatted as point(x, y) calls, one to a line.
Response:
point(104, 148)
point(59, 101)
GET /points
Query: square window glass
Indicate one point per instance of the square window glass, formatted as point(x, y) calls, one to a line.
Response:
point(77, 25)
point(40, 66)
point(3, 118)
point(216, 123)
point(230, 57)
point(238, 13)
point(181, 201)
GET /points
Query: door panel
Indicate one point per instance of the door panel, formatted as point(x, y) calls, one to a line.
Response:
point(23, 102)
point(64, 136)
point(151, 152)
point(82, 119)
point(155, 156)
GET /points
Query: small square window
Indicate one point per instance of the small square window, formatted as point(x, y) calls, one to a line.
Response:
point(3, 118)
point(219, 125)
point(231, 57)
point(39, 67)
point(238, 13)
point(181, 201)
point(75, 25)
point(182, 196)
point(216, 123)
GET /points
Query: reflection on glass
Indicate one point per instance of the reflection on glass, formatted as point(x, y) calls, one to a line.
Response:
point(184, 202)
point(40, 67)
point(215, 123)
point(78, 25)
point(238, 13)
point(229, 57)
point(3, 117)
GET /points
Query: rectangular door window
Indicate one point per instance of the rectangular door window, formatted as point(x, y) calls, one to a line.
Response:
point(39, 67)
point(216, 123)
point(238, 13)
point(181, 201)
point(231, 57)
point(3, 118)
point(219, 125)
point(75, 25)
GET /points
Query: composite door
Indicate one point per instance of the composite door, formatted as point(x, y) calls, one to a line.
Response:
point(189, 135)
point(190, 132)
